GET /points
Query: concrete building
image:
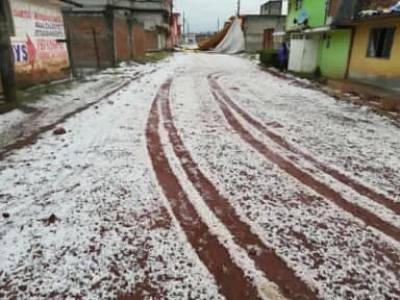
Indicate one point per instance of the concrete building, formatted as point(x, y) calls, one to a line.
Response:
point(259, 29)
point(354, 39)
point(174, 37)
point(32, 43)
point(375, 50)
point(118, 20)
point(273, 7)
point(318, 44)
point(101, 36)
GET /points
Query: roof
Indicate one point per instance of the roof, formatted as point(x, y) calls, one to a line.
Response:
point(378, 17)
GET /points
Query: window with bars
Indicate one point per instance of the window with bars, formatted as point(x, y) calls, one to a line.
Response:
point(381, 42)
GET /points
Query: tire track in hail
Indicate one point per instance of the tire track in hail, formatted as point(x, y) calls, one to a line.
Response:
point(346, 180)
point(265, 258)
point(302, 176)
point(232, 282)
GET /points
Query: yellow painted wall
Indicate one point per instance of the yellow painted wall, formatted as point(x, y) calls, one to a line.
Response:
point(362, 66)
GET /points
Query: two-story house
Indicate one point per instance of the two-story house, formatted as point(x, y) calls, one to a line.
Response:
point(375, 55)
point(104, 32)
point(259, 29)
point(316, 43)
point(355, 39)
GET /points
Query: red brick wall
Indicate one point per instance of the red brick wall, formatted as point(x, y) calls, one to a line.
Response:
point(121, 33)
point(334, 6)
point(138, 40)
point(90, 39)
point(151, 40)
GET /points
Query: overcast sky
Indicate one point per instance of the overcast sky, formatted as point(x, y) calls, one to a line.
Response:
point(203, 15)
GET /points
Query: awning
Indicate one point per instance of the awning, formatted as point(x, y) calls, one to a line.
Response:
point(318, 30)
point(279, 33)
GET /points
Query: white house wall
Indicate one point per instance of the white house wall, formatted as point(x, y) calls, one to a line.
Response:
point(304, 53)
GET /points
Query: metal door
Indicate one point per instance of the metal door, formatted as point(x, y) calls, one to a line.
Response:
point(268, 38)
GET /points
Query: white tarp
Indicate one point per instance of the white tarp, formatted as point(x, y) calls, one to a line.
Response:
point(234, 41)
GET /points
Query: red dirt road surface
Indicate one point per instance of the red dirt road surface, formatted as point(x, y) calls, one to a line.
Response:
point(202, 178)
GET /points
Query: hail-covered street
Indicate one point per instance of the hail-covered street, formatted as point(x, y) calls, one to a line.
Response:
point(202, 177)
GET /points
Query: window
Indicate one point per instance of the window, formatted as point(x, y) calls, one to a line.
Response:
point(381, 42)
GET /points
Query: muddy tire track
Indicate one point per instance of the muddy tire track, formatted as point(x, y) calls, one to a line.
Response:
point(231, 280)
point(346, 180)
point(305, 178)
point(266, 259)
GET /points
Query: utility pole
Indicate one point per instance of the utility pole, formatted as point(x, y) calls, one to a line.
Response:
point(184, 28)
point(7, 72)
point(238, 8)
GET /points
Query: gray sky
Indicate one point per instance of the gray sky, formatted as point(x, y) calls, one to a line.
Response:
point(202, 15)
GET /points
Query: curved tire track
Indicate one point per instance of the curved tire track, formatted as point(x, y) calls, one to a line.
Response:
point(266, 259)
point(305, 178)
point(232, 282)
point(346, 180)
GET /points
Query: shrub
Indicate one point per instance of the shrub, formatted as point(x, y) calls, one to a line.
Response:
point(269, 57)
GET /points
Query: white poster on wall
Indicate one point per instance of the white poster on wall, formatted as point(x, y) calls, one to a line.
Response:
point(38, 26)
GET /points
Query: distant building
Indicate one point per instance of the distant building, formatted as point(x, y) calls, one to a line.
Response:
point(175, 31)
point(271, 8)
point(190, 38)
point(259, 29)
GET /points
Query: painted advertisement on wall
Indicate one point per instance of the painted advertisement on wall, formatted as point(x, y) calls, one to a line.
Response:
point(38, 55)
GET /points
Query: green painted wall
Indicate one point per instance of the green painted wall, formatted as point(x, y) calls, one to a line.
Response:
point(334, 53)
point(316, 10)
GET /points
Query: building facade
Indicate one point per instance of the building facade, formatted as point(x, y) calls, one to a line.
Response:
point(375, 55)
point(317, 45)
point(259, 29)
point(38, 42)
point(356, 39)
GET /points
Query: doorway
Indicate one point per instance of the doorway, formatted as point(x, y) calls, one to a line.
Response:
point(268, 38)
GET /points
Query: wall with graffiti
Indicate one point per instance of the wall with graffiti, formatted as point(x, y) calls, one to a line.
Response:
point(39, 55)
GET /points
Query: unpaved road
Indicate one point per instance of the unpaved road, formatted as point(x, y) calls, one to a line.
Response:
point(204, 179)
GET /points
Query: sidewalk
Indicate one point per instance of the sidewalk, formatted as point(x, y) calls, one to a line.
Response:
point(45, 108)
point(369, 90)
point(381, 100)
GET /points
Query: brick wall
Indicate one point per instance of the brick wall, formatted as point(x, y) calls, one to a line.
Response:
point(97, 43)
point(138, 39)
point(122, 39)
point(91, 40)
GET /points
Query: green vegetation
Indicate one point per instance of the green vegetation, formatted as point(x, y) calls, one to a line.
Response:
point(269, 58)
point(153, 57)
point(25, 97)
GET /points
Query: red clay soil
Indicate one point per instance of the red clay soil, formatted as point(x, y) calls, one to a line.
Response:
point(231, 280)
point(149, 288)
point(357, 186)
point(302, 176)
point(266, 259)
